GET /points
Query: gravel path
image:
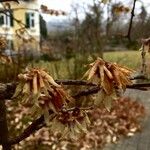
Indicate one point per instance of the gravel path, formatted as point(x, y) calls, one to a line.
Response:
point(140, 141)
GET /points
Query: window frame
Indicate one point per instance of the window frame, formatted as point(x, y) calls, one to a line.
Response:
point(30, 20)
point(7, 19)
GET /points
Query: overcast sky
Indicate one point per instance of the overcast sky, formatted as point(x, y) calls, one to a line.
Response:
point(66, 5)
point(63, 4)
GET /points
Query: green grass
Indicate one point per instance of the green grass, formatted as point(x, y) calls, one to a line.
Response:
point(74, 68)
point(67, 68)
point(58, 69)
point(131, 59)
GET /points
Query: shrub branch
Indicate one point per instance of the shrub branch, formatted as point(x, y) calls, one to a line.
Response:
point(39, 123)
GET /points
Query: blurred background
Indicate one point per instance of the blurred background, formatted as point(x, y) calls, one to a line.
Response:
point(56, 35)
point(63, 36)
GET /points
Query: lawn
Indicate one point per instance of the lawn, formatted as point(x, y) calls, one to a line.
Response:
point(131, 59)
point(66, 68)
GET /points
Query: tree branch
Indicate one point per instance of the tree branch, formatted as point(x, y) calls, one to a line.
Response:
point(90, 91)
point(36, 125)
point(131, 21)
point(9, 1)
point(74, 82)
point(9, 88)
point(39, 123)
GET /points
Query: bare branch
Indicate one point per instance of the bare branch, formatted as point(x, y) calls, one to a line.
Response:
point(9, 88)
point(9, 1)
point(81, 108)
point(36, 125)
point(39, 123)
point(131, 21)
point(87, 92)
point(74, 82)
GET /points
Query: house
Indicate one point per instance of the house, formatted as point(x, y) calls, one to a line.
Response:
point(20, 24)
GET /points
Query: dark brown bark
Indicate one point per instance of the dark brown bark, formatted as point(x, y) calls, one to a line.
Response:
point(9, 88)
point(131, 21)
point(9, 1)
point(3, 124)
point(37, 124)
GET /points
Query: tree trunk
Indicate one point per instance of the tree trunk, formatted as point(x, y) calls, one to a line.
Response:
point(131, 21)
point(3, 124)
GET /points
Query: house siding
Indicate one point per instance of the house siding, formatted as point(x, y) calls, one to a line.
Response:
point(19, 12)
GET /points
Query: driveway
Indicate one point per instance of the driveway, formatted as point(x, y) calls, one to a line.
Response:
point(141, 140)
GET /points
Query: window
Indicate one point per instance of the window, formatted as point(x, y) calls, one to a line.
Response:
point(30, 20)
point(2, 18)
point(6, 19)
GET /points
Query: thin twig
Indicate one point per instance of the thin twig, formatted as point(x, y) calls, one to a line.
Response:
point(139, 85)
point(75, 82)
point(76, 108)
point(139, 76)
